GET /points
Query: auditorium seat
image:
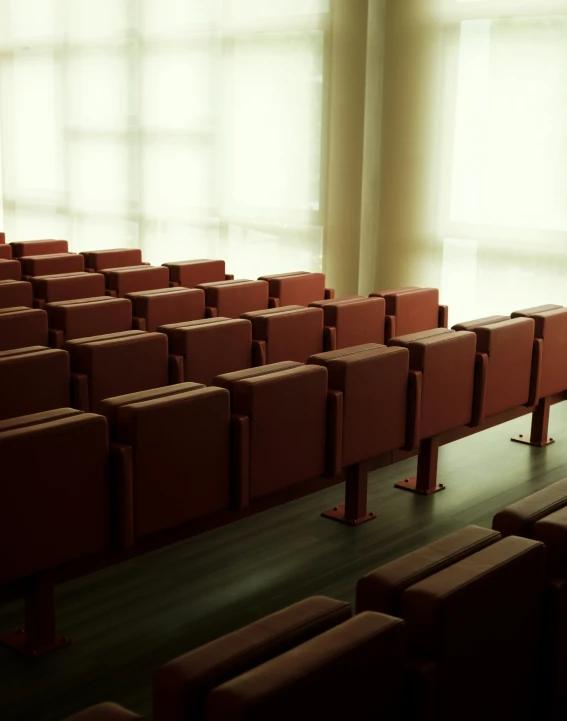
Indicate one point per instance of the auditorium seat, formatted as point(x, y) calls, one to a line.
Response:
point(472, 605)
point(297, 288)
point(52, 264)
point(15, 293)
point(411, 309)
point(442, 364)
point(233, 298)
point(21, 327)
point(170, 457)
point(98, 260)
point(5, 252)
point(38, 247)
point(210, 346)
point(2, 238)
point(288, 333)
point(504, 351)
point(10, 270)
point(182, 686)
point(109, 365)
point(105, 712)
point(121, 281)
point(87, 317)
point(65, 286)
point(152, 308)
point(354, 670)
point(191, 273)
point(353, 320)
point(33, 380)
point(279, 419)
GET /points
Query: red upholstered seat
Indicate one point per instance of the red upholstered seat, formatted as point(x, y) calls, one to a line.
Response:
point(297, 288)
point(10, 270)
point(411, 309)
point(87, 317)
point(351, 321)
point(121, 281)
point(15, 293)
point(232, 298)
point(55, 471)
point(2, 238)
point(210, 346)
point(182, 685)
point(38, 247)
point(354, 670)
point(152, 308)
point(114, 364)
point(105, 712)
point(279, 427)
point(97, 260)
point(191, 273)
point(52, 264)
point(33, 380)
point(66, 286)
point(518, 518)
point(5, 252)
point(287, 333)
point(21, 327)
point(170, 451)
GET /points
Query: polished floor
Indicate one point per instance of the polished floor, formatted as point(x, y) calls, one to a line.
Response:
point(127, 620)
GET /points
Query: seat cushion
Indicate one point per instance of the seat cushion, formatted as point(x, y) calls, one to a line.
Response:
point(232, 298)
point(299, 288)
point(191, 273)
point(472, 324)
point(21, 327)
point(167, 305)
point(518, 518)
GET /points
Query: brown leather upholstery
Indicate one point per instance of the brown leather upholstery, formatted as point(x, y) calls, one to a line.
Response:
point(381, 590)
point(232, 298)
point(121, 281)
point(86, 317)
point(353, 671)
point(54, 468)
point(39, 247)
point(153, 308)
point(66, 286)
point(373, 381)
point(410, 309)
point(518, 518)
point(33, 380)
point(288, 333)
point(191, 273)
point(52, 264)
point(117, 363)
point(353, 320)
point(21, 327)
point(182, 685)
point(226, 380)
point(105, 712)
point(5, 251)
point(280, 420)
point(445, 359)
point(97, 260)
point(210, 346)
point(178, 458)
point(298, 288)
point(15, 293)
point(472, 324)
point(551, 327)
point(479, 621)
point(10, 270)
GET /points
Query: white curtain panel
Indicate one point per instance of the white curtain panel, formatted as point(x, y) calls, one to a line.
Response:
point(189, 128)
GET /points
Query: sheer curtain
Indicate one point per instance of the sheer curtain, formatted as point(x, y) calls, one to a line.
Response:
point(189, 128)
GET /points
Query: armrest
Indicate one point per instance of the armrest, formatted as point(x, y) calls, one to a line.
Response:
point(210, 312)
point(111, 293)
point(56, 338)
point(415, 380)
point(173, 284)
point(176, 369)
point(229, 276)
point(273, 302)
point(389, 327)
point(80, 391)
point(258, 353)
point(38, 303)
point(535, 376)
point(479, 392)
point(443, 316)
point(122, 495)
point(334, 460)
point(138, 323)
point(329, 293)
point(240, 464)
point(329, 338)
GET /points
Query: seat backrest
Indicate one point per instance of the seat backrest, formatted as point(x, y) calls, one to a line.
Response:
point(15, 293)
point(191, 273)
point(211, 346)
point(518, 518)
point(232, 298)
point(10, 270)
point(52, 264)
point(364, 657)
point(5, 251)
point(33, 380)
point(167, 305)
point(299, 288)
point(374, 381)
point(98, 260)
point(105, 712)
point(21, 327)
point(356, 320)
point(414, 309)
point(39, 247)
point(182, 685)
point(121, 281)
point(55, 469)
point(87, 317)
point(289, 332)
point(120, 363)
point(472, 324)
point(67, 286)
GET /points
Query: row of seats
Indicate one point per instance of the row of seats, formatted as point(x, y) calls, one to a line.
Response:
point(470, 626)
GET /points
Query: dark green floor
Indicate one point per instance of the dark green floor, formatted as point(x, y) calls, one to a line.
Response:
point(127, 620)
